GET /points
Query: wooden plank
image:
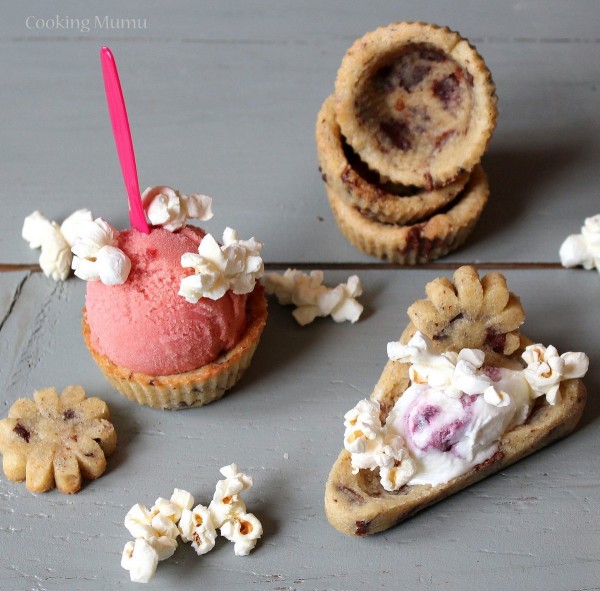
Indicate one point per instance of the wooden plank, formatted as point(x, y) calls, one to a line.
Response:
point(530, 527)
point(223, 99)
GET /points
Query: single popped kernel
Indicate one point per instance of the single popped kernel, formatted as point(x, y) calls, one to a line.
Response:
point(583, 249)
point(56, 440)
point(226, 501)
point(244, 529)
point(196, 526)
point(170, 209)
point(172, 509)
point(470, 313)
point(148, 524)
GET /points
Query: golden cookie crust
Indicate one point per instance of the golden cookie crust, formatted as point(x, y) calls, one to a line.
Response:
point(55, 440)
point(193, 388)
point(364, 189)
point(470, 312)
point(420, 242)
point(416, 102)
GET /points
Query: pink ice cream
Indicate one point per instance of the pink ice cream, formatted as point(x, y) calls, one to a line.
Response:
point(144, 325)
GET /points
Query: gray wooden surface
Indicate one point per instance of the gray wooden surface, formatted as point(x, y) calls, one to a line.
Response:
point(222, 98)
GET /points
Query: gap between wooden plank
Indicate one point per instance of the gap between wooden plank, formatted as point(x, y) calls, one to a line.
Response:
point(358, 266)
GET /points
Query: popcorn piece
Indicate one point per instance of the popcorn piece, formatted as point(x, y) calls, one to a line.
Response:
point(196, 526)
point(56, 440)
point(546, 369)
point(138, 522)
point(228, 511)
point(313, 299)
point(583, 249)
point(180, 500)
point(396, 476)
point(226, 502)
point(244, 529)
point(96, 256)
point(363, 427)
point(69, 227)
point(496, 397)
point(170, 209)
point(236, 265)
point(140, 559)
point(55, 241)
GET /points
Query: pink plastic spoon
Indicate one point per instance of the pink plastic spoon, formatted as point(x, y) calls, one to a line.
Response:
point(120, 126)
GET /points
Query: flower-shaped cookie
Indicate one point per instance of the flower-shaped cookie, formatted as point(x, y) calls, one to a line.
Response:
point(470, 313)
point(55, 440)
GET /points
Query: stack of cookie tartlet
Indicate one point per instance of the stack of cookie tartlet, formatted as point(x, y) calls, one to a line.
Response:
point(399, 143)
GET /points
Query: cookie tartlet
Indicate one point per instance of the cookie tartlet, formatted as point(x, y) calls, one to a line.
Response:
point(422, 241)
point(463, 395)
point(178, 329)
point(400, 141)
point(416, 102)
point(364, 189)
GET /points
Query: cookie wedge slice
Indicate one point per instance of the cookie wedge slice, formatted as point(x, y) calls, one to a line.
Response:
point(358, 498)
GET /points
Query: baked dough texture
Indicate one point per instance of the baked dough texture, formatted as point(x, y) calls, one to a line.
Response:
point(56, 440)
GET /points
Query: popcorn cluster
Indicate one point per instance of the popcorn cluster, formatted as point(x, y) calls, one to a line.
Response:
point(449, 376)
point(583, 249)
point(455, 373)
point(170, 209)
point(372, 446)
point(96, 256)
point(235, 265)
point(462, 373)
point(546, 369)
point(156, 530)
point(313, 299)
point(54, 241)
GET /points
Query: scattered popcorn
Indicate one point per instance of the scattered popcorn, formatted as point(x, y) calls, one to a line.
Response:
point(236, 265)
point(313, 299)
point(156, 530)
point(55, 241)
point(583, 249)
point(546, 369)
point(170, 209)
point(96, 258)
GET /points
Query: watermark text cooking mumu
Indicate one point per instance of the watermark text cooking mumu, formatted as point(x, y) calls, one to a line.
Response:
point(86, 24)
